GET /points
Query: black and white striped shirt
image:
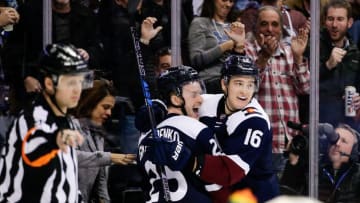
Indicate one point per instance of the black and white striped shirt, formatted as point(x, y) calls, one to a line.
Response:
point(32, 168)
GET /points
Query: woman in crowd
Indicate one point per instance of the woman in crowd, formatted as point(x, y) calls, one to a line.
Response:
point(94, 109)
point(211, 37)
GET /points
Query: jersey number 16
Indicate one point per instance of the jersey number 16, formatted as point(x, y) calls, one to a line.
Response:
point(253, 138)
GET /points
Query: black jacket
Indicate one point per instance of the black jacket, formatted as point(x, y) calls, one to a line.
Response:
point(342, 187)
point(332, 83)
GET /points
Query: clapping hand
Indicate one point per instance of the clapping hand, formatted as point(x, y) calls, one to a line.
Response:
point(8, 16)
point(299, 42)
point(268, 44)
point(237, 33)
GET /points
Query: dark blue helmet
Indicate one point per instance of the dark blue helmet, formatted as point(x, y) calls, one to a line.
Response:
point(239, 65)
point(173, 79)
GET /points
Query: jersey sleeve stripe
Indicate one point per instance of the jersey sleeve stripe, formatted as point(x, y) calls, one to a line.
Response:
point(235, 158)
point(212, 187)
point(43, 160)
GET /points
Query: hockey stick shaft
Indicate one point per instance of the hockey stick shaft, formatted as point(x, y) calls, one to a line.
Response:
point(148, 104)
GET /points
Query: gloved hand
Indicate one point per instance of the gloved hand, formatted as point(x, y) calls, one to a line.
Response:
point(163, 151)
point(142, 120)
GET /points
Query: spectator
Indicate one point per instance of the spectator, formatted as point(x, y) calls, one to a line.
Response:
point(339, 173)
point(39, 162)
point(293, 20)
point(211, 38)
point(72, 23)
point(161, 10)
point(340, 178)
point(94, 109)
point(241, 125)
point(339, 64)
point(284, 74)
point(120, 57)
point(8, 17)
point(160, 62)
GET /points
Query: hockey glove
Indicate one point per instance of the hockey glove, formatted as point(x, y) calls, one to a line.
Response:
point(162, 151)
point(216, 124)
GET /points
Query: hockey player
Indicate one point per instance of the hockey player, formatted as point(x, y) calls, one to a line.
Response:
point(181, 91)
point(241, 125)
point(38, 163)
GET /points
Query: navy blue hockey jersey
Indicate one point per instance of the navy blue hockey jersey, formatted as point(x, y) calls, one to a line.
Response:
point(248, 134)
point(184, 186)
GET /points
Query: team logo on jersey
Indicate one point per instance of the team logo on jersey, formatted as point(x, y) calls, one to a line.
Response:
point(250, 110)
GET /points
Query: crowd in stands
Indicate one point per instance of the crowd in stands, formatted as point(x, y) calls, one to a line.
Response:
point(271, 35)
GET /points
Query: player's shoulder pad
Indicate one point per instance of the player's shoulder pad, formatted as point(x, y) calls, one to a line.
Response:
point(253, 109)
point(210, 105)
point(185, 124)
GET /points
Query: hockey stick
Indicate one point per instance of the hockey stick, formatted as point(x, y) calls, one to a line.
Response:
point(148, 104)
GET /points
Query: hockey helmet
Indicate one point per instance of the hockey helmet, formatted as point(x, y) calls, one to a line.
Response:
point(174, 78)
point(239, 65)
point(64, 59)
